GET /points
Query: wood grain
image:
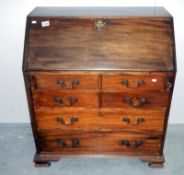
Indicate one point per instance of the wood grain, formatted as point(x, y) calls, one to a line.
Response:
point(87, 12)
point(126, 44)
point(49, 81)
point(99, 92)
point(46, 98)
point(150, 82)
point(105, 81)
point(99, 143)
point(117, 100)
point(103, 120)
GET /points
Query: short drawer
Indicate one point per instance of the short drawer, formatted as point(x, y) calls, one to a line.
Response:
point(59, 81)
point(144, 120)
point(135, 100)
point(115, 143)
point(72, 99)
point(134, 82)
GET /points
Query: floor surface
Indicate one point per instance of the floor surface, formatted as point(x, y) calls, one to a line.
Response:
point(17, 150)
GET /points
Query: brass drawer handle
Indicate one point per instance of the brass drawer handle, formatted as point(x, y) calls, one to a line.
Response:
point(135, 101)
point(127, 84)
point(134, 144)
point(139, 120)
point(168, 86)
point(99, 25)
point(67, 123)
point(66, 101)
point(68, 84)
point(74, 143)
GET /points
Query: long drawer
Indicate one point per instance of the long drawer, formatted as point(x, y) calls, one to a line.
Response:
point(116, 143)
point(105, 119)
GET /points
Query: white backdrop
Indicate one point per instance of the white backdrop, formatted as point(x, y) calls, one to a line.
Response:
point(13, 104)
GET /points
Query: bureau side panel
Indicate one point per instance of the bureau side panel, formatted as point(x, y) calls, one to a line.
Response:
point(171, 79)
point(28, 87)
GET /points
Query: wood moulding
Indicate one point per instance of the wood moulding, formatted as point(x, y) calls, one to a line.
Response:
point(46, 160)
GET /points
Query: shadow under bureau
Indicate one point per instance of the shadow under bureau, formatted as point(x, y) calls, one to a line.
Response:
point(99, 81)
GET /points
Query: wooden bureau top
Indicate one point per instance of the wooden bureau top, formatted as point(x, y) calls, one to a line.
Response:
point(99, 11)
point(129, 39)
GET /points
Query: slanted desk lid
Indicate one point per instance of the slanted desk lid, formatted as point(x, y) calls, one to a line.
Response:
point(118, 41)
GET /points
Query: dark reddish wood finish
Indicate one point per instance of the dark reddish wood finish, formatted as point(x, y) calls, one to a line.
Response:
point(117, 100)
point(150, 82)
point(58, 82)
point(104, 91)
point(104, 119)
point(46, 98)
point(154, 161)
point(99, 143)
point(149, 39)
point(79, 12)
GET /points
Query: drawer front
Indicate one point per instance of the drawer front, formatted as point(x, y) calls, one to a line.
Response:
point(116, 143)
point(133, 82)
point(150, 120)
point(134, 100)
point(59, 81)
point(72, 99)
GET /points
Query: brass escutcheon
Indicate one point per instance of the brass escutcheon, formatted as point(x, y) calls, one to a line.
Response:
point(99, 25)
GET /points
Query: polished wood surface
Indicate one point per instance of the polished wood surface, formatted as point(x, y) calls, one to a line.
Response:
point(46, 98)
point(99, 81)
point(102, 81)
point(154, 162)
point(59, 82)
point(126, 44)
point(129, 82)
point(99, 143)
point(118, 100)
point(99, 11)
point(103, 119)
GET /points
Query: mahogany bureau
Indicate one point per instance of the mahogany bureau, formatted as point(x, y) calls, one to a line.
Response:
point(99, 81)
